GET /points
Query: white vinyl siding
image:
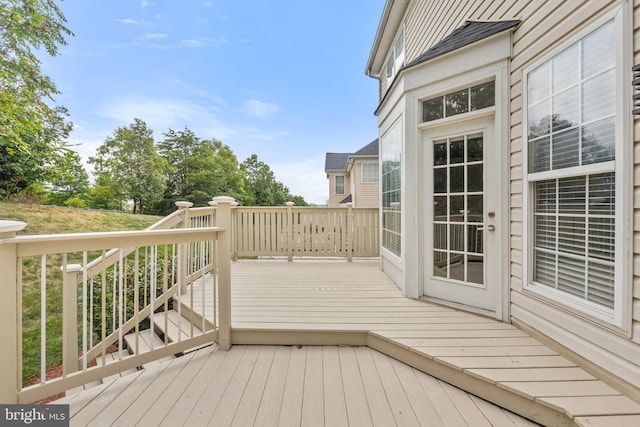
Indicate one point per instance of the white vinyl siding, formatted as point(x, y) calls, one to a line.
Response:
point(571, 138)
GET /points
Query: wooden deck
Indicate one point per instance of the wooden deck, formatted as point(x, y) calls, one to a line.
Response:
point(283, 386)
point(348, 328)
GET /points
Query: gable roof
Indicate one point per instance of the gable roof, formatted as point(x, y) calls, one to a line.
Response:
point(468, 33)
point(339, 161)
point(336, 161)
point(371, 149)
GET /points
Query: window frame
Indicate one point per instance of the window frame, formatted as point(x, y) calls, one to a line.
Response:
point(335, 185)
point(377, 174)
point(618, 318)
point(394, 60)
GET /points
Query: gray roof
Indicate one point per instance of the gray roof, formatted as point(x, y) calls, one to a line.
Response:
point(347, 199)
point(336, 161)
point(371, 149)
point(470, 32)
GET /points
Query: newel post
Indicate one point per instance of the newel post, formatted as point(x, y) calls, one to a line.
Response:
point(183, 207)
point(350, 231)
point(70, 317)
point(9, 313)
point(223, 262)
point(290, 230)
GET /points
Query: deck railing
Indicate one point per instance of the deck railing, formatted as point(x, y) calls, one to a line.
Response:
point(293, 231)
point(93, 305)
point(85, 299)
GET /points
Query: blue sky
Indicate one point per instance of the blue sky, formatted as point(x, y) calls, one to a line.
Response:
point(282, 79)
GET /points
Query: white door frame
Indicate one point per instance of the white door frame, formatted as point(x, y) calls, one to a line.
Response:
point(464, 295)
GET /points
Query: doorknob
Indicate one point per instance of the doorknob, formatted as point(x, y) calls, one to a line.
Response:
point(489, 227)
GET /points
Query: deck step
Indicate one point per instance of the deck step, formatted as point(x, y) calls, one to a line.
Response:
point(147, 341)
point(176, 328)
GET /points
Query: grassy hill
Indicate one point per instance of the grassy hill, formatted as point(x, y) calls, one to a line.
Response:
point(42, 219)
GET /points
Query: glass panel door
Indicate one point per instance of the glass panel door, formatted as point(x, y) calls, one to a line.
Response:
point(458, 208)
point(463, 210)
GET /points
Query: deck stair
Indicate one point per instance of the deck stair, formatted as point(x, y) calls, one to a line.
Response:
point(177, 327)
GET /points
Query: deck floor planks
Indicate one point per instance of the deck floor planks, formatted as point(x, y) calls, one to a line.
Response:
point(163, 403)
point(272, 398)
point(252, 395)
point(215, 375)
point(291, 409)
point(354, 392)
point(421, 403)
point(380, 411)
point(227, 406)
point(313, 392)
point(335, 409)
point(396, 396)
point(356, 297)
point(129, 407)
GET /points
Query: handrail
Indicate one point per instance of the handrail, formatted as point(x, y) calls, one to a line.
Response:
point(135, 275)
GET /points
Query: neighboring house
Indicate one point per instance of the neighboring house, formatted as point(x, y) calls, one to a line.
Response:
point(509, 152)
point(354, 177)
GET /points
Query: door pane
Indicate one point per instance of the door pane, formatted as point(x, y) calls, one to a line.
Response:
point(458, 208)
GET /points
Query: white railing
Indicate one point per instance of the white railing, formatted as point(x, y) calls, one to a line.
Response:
point(306, 232)
point(78, 298)
point(91, 306)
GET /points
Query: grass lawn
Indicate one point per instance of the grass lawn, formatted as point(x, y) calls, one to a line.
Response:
point(49, 220)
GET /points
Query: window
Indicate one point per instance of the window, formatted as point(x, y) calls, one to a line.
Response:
point(395, 61)
point(339, 184)
point(391, 155)
point(369, 172)
point(572, 173)
point(462, 101)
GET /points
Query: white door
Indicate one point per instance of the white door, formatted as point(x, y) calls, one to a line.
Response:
point(461, 175)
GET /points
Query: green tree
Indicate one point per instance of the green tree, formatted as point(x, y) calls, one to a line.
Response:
point(24, 168)
point(262, 188)
point(68, 179)
point(199, 170)
point(129, 163)
point(27, 26)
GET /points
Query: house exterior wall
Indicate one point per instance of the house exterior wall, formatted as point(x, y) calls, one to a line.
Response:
point(334, 199)
point(545, 26)
point(365, 194)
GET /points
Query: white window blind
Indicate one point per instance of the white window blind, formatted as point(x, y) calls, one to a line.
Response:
point(339, 187)
point(369, 172)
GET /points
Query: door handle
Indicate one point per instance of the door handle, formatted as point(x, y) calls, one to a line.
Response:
point(489, 227)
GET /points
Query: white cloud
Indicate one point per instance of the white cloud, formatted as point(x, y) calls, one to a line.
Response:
point(127, 21)
point(153, 36)
point(305, 178)
point(144, 3)
point(207, 4)
point(191, 43)
point(260, 109)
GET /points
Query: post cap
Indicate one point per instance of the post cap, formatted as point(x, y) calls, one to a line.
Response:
point(184, 204)
point(224, 199)
point(289, 203)
point(9, 228)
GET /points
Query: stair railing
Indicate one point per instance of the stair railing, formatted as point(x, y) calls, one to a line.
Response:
point(119, 292)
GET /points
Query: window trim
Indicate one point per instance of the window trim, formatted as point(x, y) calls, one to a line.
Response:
point(377, 176)
point(618, 318)
point(335, 185)
point(395, 62)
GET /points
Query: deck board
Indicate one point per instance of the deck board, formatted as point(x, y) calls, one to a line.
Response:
point(327, 385)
